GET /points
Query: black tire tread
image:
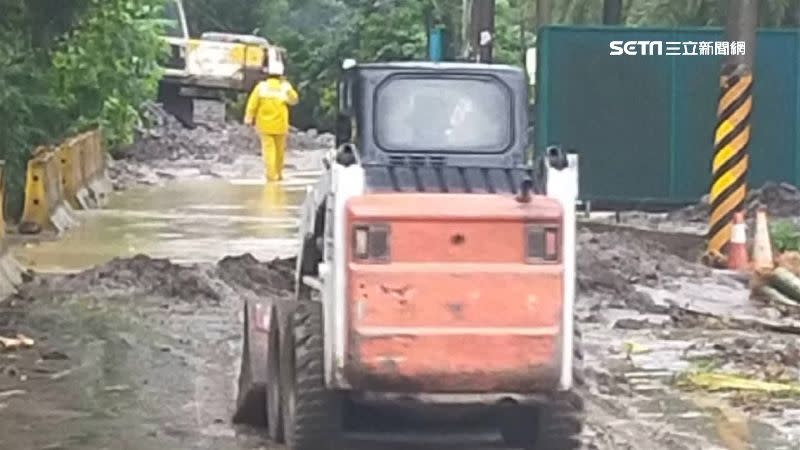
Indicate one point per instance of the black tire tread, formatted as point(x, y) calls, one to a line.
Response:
point(274, 419)
point(315, 422)
point(559, 423)
point(562, 424)
point(250, 402)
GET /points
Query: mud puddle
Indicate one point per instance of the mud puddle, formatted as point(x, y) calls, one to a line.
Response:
point(185, 220)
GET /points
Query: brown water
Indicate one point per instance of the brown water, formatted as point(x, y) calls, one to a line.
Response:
point(199, 220)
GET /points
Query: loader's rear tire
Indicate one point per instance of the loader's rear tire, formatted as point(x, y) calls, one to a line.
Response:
point(311, 412)
point(250, 402)
point(556, 425)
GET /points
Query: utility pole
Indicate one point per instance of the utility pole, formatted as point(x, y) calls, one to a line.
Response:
point(612, 12)
point(544, 13)
point(483, 30)
point(732, 134)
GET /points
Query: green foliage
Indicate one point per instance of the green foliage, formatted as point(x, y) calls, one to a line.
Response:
point(705, 12)
point(72, 64)
point(69, 65)
point(785, 235)
point(319, 34)
point(108, 66)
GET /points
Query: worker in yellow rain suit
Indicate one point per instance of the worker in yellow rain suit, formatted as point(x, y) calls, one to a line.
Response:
point(268, 111)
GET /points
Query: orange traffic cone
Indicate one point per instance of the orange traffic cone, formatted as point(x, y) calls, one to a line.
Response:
point(737, 249)
point(762, 245)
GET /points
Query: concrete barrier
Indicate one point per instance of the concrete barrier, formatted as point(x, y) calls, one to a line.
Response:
point(73, 175)
point(10, 269)
point(70, 155)
point(98, 183)
point(45, 205)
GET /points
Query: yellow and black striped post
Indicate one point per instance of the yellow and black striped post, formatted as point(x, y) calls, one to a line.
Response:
point(729, 166)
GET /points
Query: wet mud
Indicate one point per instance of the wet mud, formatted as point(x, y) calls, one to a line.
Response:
point(142, 353)
point(166, 150)
point(141, 349)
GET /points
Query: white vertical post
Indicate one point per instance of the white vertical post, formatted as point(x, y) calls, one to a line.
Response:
point(563, 185)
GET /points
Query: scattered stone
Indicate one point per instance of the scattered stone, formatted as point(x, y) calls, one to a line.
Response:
point(11, 371)
point(117, 388)
point(20, 341)
point(11, 393)
point(54, 355)
point(631, 324)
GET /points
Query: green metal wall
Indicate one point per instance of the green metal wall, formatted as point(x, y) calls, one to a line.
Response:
point(644, 125)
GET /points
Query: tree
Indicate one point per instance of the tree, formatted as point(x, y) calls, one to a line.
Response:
point(68, 65)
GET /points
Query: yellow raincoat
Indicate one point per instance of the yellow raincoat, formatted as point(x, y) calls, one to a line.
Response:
point(268, 111)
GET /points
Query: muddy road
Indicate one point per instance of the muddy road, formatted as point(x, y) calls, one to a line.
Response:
point(136, 318)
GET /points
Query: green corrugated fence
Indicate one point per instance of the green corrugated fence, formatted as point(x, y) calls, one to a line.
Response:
point(644, 125)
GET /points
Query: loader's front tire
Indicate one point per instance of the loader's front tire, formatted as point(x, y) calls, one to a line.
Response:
point(274, 386)
point(556, 425)
point(311, 412)
point(250, 402)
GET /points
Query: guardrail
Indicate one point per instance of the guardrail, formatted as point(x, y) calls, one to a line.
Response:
point(71, 175)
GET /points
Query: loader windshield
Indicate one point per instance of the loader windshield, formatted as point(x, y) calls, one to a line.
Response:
point(461, 115)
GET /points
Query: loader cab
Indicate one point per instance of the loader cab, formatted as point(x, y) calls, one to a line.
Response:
point(422, 114)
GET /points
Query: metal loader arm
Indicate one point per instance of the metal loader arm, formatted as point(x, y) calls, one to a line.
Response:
point(562, 184)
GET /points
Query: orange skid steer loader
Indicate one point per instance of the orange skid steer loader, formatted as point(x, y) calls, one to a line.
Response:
point(436, 271)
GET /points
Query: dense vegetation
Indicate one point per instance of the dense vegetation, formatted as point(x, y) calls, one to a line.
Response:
point(71, 64)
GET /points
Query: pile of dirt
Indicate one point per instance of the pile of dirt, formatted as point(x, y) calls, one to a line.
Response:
point(310, 140)
point(246, 273)
point(780, 199)
point(168, 140)
point(612, 262)
point(126, 173)
point(143, 276)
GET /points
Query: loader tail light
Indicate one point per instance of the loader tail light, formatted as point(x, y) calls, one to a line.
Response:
point(543, 244)
point(371, 242)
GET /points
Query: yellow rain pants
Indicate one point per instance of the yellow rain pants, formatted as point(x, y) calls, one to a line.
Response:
point(273, 148)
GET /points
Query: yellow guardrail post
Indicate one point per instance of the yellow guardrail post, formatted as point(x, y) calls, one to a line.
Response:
point(36, 211)
point(45, 207)
point(71, 174)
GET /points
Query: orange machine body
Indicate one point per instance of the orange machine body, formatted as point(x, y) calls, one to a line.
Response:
point(456, 305)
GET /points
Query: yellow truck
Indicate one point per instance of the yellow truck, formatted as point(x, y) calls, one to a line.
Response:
point(199, 72)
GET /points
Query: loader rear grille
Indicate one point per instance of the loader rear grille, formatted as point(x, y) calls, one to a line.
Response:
point(431, 174)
